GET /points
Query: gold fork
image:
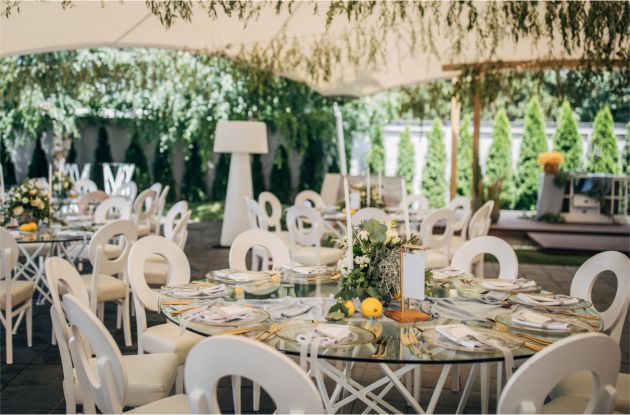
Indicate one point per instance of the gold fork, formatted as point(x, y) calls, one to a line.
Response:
point(270, 332)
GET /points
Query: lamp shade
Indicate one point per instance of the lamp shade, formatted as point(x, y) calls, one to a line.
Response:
point(241, 137)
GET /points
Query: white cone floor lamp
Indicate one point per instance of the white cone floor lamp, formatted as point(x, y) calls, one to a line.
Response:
point(241, 138)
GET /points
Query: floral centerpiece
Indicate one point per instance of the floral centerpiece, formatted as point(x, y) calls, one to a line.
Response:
point(550, 161)
point(26, 203)
point(61, 184)
point(376, 200)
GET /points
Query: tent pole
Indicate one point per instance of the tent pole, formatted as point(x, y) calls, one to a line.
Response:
point(476, 169)
point(341, 142)
point(455, 107)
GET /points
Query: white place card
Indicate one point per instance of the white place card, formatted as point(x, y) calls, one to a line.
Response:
point(413, 274)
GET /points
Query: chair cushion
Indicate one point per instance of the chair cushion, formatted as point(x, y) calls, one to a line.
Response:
point(143, 229)
point(565, 405)
point(156, 273)
point(20, 292)
point(436, 259)
point(579, 385)
point(307, 255)
point(176, 404)
point(150, 376)
point(108, 288)
point(168, 338)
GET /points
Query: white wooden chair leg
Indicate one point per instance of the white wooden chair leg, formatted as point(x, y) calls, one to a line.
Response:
point(485, 387)
point(29, 324)
point(53, 339)
point(68, 395)
point(126, 322)
point(256, 396)
point(119, 312)
point(101, 311)
point(9, 336)
point(236, 393)
point(179, 380)
point(417, 382)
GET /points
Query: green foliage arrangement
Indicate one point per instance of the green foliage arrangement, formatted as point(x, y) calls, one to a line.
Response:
point(102, 154)
point(136, 156)
point(534, 143)
point(406, 158)
point(567, 139)
point(433, 174)
point(625, 160)
point(280, 179)
point(39, 164)
point(604, 153)
point(499, 162)
point(8, 169)
point(26, 203)
point(376, 155)
point(162, 170)
point(464, 158)
point(193, 186)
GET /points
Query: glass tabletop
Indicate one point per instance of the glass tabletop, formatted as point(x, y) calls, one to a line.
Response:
point(51, 236)
point(375, 340)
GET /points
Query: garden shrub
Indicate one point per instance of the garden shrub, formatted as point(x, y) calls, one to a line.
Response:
point(464, 158)
point(433, 177)
point(406, 158)
point(567, 139)
point(604, 153)
point(499, 162)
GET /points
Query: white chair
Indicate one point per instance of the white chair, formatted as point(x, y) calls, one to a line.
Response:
point(289, 386)
point(579, 384)
point(16, 297)
point(173, 216)
point(416, 203)
point(437, 255)
point(165, 337)
point(105, 378)
point(89, 199)
point(150, 376)
point(258, 238)
point(255, 215)
point(156, 269)
point(142, 211)
point(115, 206)
point(306, 242)
point(128, 190)
point(273, 219)
point(309, 198)
point(463, 211)
point(527, 389)
point(158, 210)
point(108, 280)
point(501, 250)
point(368, 213)
point(157, 188)
point(479, 224)
point(85, 186)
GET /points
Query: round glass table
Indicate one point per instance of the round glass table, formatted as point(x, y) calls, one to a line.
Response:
point(385, 342)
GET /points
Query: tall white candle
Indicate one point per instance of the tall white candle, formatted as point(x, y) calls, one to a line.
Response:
point(369, 192)
point(380, 184)
point(346, 194)
point(403, 190)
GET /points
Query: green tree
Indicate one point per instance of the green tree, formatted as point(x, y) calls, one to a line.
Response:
point(376, 155)
point(258, 175)
point(102, 154)
point(221, 174)
point(406, 158)
point(464, 158)
point(39, 163)
point(162, 171)
point(280, 178)
point(534, 143)
point(604, 153)
point(8, 169)
point(625, 160)
point(499, 163)
point(193, 185)
point(134, 154)
point(567, 139)
point(433, 174)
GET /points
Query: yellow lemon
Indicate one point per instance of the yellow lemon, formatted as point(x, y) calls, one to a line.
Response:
point(350, 306)
point(239, 292)
point(33, 226)
point(371, 307)
point(28, 227)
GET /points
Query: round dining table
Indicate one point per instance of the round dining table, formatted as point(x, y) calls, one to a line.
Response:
point(398, 349)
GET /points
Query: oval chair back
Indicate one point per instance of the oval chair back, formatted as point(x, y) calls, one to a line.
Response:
point(258, 238)
point(368, 213)
point(444, 217)
point(112, 204)
point(255, 215)
point(416, 203)
point(309, 198)
point(501, 250)
point(143, 206)
point(586, 276)
point(479, 224)
point(85, 186)
point(88, 199)
point(173, 216)
point(462, 207)
point(274, 218)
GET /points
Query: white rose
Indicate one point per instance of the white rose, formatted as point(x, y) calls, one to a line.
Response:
point(364, 235)
point(391, 236)
point(17, 211)
point(38, 184)
point(24, 200)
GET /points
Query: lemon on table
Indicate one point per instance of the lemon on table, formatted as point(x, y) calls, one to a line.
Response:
point(28, 227)
point(350, 306)
point(239, 291)
point(371, 307)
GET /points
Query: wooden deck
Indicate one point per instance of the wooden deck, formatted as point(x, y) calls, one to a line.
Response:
point(571, 242)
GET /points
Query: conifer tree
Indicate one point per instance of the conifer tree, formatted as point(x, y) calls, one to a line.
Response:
point(8, 169)
point(102, 154)
point(221, 174)
point(534, 143)
point(72, 153)
point(162, 170)
point(135, 155)
point(406, 158)
point(499, 162)
point(258, 175)
point(39, 163)
point(567, 139)
point(464, 158)
point(625, 160)
point(376, 155)
point(604, 152)
point(433, 174)
point(193, 186)
point(280, 178)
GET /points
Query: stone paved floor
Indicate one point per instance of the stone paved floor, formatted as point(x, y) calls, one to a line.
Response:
point(33, 383)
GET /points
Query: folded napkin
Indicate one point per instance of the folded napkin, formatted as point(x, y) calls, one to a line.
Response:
point(305, 269)
point(242, 276)
point(547, 300)
point(508, 285)
point(446, 273)
point(196, 291)
point(539, 320)
point(223, 314)
point(77, 218)
point(325, 334)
